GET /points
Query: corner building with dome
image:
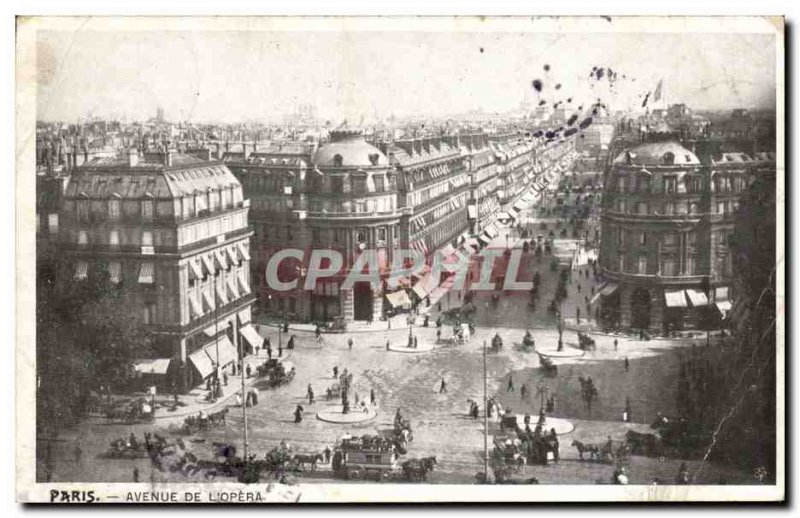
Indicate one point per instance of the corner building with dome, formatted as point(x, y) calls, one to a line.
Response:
point(666, 227)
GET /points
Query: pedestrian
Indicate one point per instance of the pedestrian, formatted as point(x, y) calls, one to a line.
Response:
point(327, 455)
point(387, 344)
point(627, 364)
point(523, 390)
point(225, 378)
point(372, 397)
point(290, 344)
point(626, 415)
point(254, 393)
point(355, 398)
point(510, 387)
point(683, 475)
point(443, 386)
point(257, 350)
point(350, 343)
point(280, 350)
point(438, 335)
point(310, 394)
point(238, 399)
point(269, 352)
point(415, 342)
point(616, 344)
point(78, 452)
point(248, 370)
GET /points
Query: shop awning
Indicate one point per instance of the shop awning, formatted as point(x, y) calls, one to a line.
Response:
point(503, 215)
point(211, 331)
point(194, 306)
point(519, 204)
point(81, 270)
point(231, 251)
point(398, 299)
point(251, 336)
point(697, 298)
point(243, 250)
point(483, 238)
point(194, 270)
point(208, 262)
point(244, 317)
point(419, 290)
point(448, 250)
point(208, 300)
point(472, 212)
point(226, 350)
point(234, 291)
point(147, 273)
point(675, 299)
point(594, 298)
point(721, 294)
point(202, 362)
point(158, 366)
point(723, 306)
point(221, 260)
point(221, 295)
point(609, 289)
point(473, 243)
point(243, 286)
point(115, 272)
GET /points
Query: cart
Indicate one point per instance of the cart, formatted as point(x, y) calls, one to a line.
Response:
point(356, 459)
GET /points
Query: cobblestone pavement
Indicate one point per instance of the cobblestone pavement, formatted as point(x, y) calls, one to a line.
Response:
point(441, 427)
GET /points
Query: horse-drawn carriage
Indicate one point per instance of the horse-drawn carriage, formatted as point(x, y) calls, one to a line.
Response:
point(136, 411)
point(586, 342)
point(276, 372)
point(375, 457)
point(337, 325)
point(519, 448)
point(497, 344)
point(548, 366)
point(201, 422)
point(459, 315)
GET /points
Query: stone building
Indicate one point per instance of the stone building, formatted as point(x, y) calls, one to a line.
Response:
point(172, 231)
point(666, 223)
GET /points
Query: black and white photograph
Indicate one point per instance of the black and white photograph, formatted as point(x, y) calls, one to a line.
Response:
point(400, 259)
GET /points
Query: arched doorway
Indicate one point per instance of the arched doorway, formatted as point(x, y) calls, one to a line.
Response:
point(640, 308)
point(362, 301)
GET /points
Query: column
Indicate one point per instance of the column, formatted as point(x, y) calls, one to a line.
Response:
point(377, 303)
point(656, 310)
point(625, 305)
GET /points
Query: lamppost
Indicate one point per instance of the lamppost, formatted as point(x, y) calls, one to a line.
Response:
point(485, 419)
point(560, 331)
point(542, 389)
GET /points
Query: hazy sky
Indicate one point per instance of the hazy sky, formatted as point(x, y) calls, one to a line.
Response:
point(229, 76)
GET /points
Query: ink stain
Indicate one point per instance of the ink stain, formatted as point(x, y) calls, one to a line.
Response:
point(537, 85)
point(646, 98)
point(585, 123)
point(547, 68)
point(542, 102)
point(558, 86)
point(481, 50)
point(572, 119)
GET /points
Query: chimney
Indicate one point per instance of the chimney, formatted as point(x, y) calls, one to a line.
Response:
point(244, 150)
point(169, 155)
point(133, 157)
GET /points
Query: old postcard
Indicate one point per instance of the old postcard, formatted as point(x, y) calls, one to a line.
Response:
point(387, 259)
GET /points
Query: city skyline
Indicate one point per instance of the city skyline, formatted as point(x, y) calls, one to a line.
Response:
point(229, 76)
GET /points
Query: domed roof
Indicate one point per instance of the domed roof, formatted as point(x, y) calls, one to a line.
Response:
point(348, 148)
point(657, 154)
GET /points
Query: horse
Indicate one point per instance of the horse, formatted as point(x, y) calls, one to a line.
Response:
point(418, 469)
point(221, 449)
point(592, 449)
point(646, 443)
point(301, 459)
point(218, 418)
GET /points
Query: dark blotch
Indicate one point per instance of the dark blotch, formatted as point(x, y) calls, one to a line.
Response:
point(542, 102)
point(558, 86)
point(547, 68)
point(537, 85)
point(570, 132)
point(585, 123)
point(572, 119)
point(481, 50)
point(646, 98)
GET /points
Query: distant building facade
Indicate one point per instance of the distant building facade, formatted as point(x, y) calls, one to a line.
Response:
point(666, 223)
point(172, 231)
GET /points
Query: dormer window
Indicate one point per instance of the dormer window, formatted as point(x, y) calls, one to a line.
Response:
point(113, 209)
point(147, 209)
point(337, 160)
point(373, 158)
point(668, 158)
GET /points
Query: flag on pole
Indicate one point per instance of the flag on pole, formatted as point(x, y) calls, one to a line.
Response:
point(657, 94)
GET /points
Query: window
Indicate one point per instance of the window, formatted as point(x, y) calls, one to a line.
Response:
point(382, 234)
point(359, 185)
point(668, 159)
point(147, 238)
point(83, 211)
point(690, 264)
point(289, 233)
point(691, 238)
point(670, 208)
point(721, 207)
point(115, 272)
point(641, 208)
point(621, 263)
point(379, 184)
point(621, 237)
point(150, 313)
point(642, 265)
point(694, 207)
point(337, 184)
point(669, 267)
point(113, 210)
point(337, 161)
point(52, 223)
point(113, 238)
point(670, 185)
point(642, 238)
point(621, 184)
point(83, 238)
point(644, 184)
point(670, 239)
point(147, 273)
point(315, 235)
point(621, 206)
point(147, 209)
